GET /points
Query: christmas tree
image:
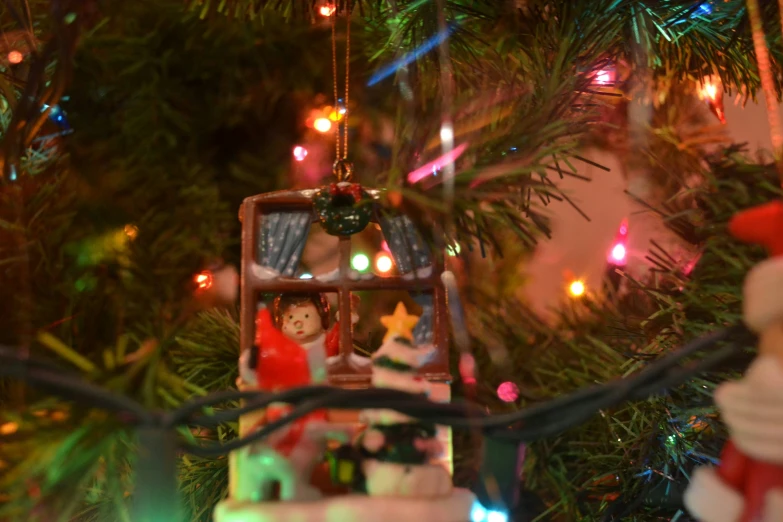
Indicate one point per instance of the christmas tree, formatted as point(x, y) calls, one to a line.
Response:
point(132, 131)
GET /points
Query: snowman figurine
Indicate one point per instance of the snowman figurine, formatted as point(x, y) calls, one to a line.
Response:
point(747, 486)
point(395, 450)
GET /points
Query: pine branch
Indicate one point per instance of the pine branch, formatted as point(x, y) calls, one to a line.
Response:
point(631, 451)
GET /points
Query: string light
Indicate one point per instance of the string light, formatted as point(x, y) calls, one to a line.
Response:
point(384, 263)
point(15, 57)
point(447, 133)
point(712, 92)
point(322, 125)
point(508, 392)
point(131, 231)
point(577, 289)
point(479, 513)
point(453, 250)
point(306, 276)
point(336, 115)
point(9, 428)
point(203, 280)
point(327, 10)
point(300, 153)
point(618, 253)
point(496, 516)
point(604, 77)
point(431, 168)
point(360, 262)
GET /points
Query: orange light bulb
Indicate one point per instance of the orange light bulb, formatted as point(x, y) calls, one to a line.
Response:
point(15, 57)
point(203, 280)
point(131, 231)
point(384, 263)
point(322, 124)
point(577, 289)
point(327, 10)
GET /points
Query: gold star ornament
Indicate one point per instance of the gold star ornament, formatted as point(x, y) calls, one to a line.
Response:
point(399, 324)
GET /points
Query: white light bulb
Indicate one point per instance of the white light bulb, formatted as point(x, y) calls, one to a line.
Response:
point(447, 133)
point(300, 153)
point(618, 252)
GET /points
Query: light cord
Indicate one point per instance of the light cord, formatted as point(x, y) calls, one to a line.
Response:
point(525, 425)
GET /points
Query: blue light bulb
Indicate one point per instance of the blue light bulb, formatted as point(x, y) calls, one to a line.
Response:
point(496, 516)
point(478, 513)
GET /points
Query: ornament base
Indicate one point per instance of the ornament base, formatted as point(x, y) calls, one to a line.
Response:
point(352, 508)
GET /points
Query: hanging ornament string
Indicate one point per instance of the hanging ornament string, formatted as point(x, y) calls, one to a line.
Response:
point(342, 168)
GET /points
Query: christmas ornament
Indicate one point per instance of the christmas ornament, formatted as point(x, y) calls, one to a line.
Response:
point(747, 486)
point(343, 208)
point(292, 342)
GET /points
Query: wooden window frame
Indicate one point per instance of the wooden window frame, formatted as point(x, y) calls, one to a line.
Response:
point(252, 287)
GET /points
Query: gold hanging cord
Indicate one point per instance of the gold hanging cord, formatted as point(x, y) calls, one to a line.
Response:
point(343, 170)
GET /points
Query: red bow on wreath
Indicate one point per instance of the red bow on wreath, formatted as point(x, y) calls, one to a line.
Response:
point(346, 189)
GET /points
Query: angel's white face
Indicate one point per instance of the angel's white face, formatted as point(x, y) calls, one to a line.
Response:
point(302, 323)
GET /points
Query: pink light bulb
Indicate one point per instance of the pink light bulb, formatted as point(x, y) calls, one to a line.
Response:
point(300, 153)
point(618, 252)
point(603, 78)
point(508, 392)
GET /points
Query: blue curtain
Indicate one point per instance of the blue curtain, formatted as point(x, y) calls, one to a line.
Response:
point(282, 241)
point(411, 253)
point(406, 244)
point(423, 331)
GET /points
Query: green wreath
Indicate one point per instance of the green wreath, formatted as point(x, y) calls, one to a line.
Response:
point(343, 209)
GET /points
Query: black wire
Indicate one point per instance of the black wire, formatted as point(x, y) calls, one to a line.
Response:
point(604, 395)
point(70, 387)
point(335, 396)
point(187, 413)
point(538, 421)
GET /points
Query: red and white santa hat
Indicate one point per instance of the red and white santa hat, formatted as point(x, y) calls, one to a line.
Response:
point(763, 289)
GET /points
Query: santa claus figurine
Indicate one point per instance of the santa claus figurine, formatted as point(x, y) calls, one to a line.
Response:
point(293, 346)
point(747, 486)
point(301, 323)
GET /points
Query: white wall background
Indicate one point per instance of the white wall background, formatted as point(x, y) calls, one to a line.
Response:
point(580, 247)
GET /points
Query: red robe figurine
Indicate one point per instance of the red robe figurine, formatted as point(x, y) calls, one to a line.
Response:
point(748, 483)
point(282, 364)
